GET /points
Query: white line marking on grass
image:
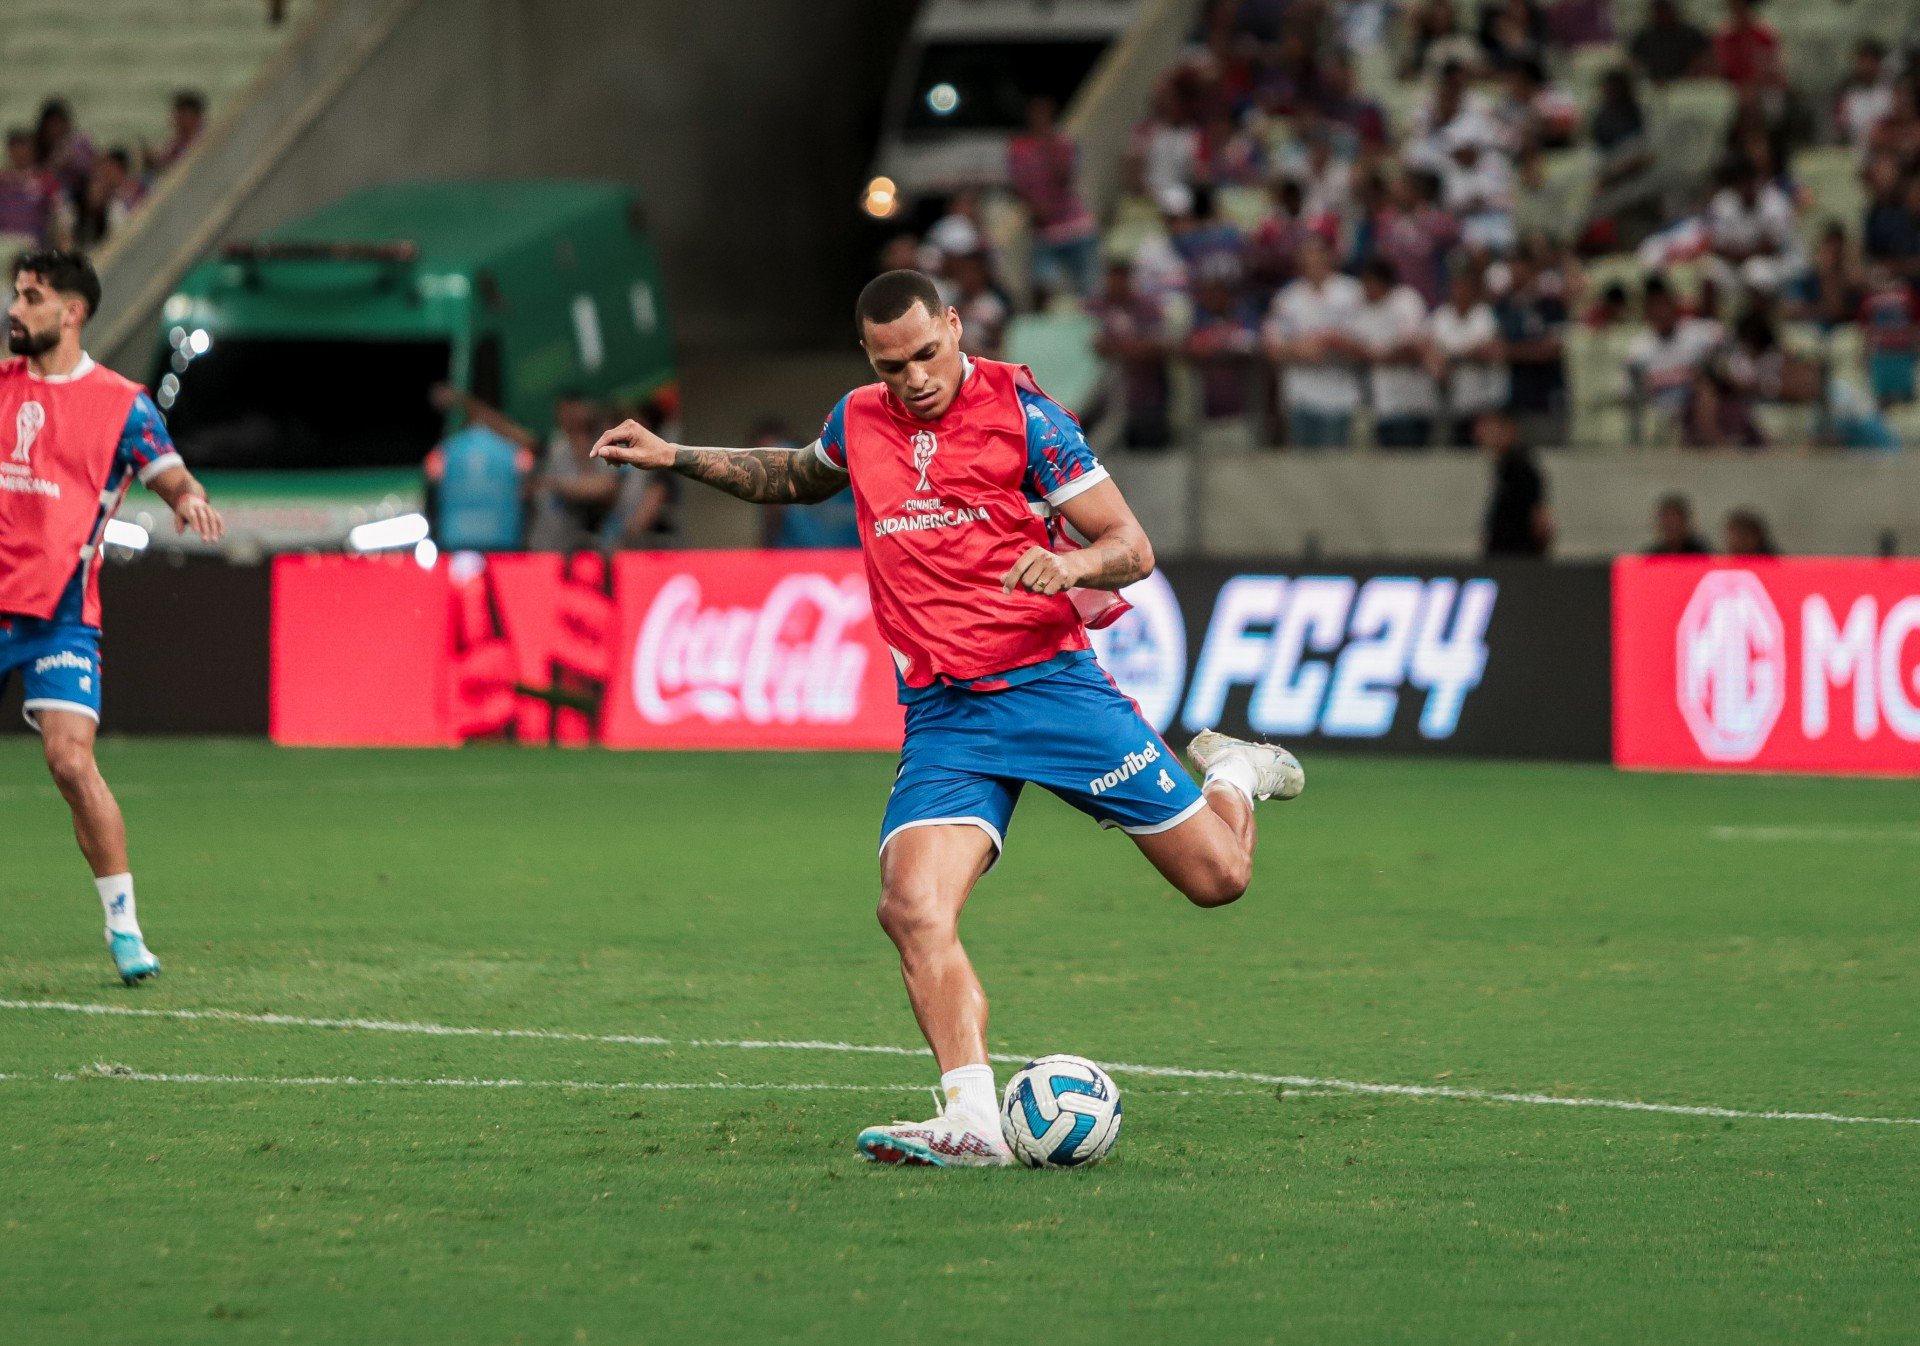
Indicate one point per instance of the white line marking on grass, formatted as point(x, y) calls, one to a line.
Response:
point(1841, 834)
point(110, 1072)
point(1117, 1067)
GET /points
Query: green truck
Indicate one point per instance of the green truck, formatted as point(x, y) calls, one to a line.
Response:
point(295, 369)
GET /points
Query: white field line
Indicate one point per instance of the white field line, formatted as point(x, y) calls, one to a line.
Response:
point(104, 1072)
point(1833, 834)
point(1332, 1085)
point(119, 1072)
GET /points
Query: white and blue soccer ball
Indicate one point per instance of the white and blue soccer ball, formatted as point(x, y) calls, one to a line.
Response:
point(1060, 1112)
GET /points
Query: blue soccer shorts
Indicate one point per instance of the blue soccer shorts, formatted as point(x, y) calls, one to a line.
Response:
point(59, 663)
point(967, 754)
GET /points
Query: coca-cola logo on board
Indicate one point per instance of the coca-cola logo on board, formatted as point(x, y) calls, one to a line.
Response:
point(1732, 675)
point(790, 660)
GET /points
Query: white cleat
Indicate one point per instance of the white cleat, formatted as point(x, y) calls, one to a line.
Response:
point(1277, 772)
point(946, 1141)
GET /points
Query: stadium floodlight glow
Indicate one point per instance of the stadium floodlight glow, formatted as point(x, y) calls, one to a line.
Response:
point(943, 99)
point(882, 198)
point(405, 530)
point(120, 533)
point(199, 341)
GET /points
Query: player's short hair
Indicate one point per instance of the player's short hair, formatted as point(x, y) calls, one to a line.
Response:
point(891, 294)
point(66, 270)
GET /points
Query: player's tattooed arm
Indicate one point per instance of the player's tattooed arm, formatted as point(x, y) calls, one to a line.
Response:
point(1117, 551)
point(763, 476)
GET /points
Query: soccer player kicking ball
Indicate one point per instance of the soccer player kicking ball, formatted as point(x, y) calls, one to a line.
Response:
point(962, 470)
point(72, 436)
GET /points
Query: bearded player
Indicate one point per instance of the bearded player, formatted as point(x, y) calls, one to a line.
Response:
point(73, 436)
point(963, 472)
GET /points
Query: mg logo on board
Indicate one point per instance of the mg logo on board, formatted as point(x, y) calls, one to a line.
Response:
point(1732, 676)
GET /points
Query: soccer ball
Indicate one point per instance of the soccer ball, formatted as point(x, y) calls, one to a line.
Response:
point(1060, 1111)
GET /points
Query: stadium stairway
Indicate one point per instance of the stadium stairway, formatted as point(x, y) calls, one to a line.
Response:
point(118, 62)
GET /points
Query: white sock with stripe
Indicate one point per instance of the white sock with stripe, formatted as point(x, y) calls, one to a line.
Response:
point(116, 895)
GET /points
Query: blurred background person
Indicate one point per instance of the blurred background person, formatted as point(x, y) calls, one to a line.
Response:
point(1518, 520)
point(1673, 531)
point(1747, 534)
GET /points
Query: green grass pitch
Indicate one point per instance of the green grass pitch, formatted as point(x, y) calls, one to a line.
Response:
point(1751, 944)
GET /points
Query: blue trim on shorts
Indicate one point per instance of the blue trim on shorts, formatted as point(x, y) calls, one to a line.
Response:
point(59, 663)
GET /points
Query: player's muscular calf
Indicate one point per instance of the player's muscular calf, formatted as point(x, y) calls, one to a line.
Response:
point(763, 476)
point(926, 874)
point(67, 739)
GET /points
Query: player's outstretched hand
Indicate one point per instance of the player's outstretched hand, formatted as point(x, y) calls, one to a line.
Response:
point(193, 511)
point(632, 443)
point(1038, 571)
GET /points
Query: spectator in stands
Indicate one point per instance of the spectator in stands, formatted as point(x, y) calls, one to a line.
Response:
point(1770, 121)
point(1165, 145)
point(1518, 521)
point(984, 309)
point(30, 208)
point(1626, 190)
point(107, 202)
point(1435, 39)
point(1865, 96)
point(1890, 234)
point(1210, 247)
point(1415, 234)
point(961, 230)
point(1831, 291)
point(1533, 321)
point(1899, 131)
point(1890, 316)
point(1668, 48)
point(1453, 102)
point(1673, 531)
point(1308, 333)
point(1531, 113)
point(830, 523)
point(60, 150)
point(1275, 242)
point(1342, 105)
point(1390, 330)
point(1754, 232)
point(1133, 340)
point(1221, 345)
point(645, 512)
point(188, 115)
point(1747, 534)
point(1742, 46)
point(1159, 271)
point(1326, 180)
point(1477, 189)
point(1668, 359)
point(1466, 352)
point(1512, 32)
point(1229, 155)
point(1043, 168)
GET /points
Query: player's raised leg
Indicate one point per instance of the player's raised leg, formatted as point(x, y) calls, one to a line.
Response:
point(1209, 855)
point(926, 875)
point(67, 737)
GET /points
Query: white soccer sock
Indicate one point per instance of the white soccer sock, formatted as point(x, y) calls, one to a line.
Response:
point(1234, 770)
point(116, 895)
point(969, 1091)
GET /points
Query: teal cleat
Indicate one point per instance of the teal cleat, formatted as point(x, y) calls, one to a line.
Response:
point(133, 958)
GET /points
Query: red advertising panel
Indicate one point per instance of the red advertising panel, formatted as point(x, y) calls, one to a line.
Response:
point(664, 649)
point(1772, 665)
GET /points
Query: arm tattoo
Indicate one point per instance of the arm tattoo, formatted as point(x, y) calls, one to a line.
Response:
point(763, 476)
point(1120, 563)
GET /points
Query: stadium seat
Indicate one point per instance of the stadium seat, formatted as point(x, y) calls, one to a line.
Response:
point(1059, 348)
point(121, 64)
point(1242, 207)
point(1829, 178)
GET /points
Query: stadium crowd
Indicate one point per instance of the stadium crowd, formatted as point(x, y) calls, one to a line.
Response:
point(58, 189)
point(1353, 221)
